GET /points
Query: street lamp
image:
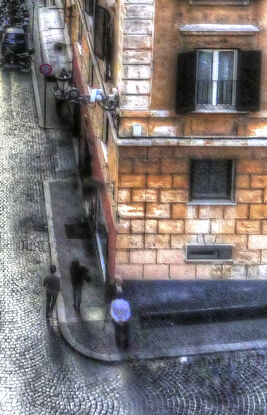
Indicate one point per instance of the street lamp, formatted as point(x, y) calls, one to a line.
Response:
point(62, 86)
point(63, 91)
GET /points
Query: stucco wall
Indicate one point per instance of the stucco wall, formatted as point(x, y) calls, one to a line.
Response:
point(169, 41)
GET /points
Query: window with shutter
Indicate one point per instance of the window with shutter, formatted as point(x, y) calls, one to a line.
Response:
point(89, 7)
point(103, 46)
point(100, 24)
point(212, 180)
point(218, 80)
point(80, 32)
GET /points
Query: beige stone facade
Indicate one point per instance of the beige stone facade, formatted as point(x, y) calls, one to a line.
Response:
point(157, 222)
point(148, 148)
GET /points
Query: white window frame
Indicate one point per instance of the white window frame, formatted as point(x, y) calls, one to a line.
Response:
point(215, 71)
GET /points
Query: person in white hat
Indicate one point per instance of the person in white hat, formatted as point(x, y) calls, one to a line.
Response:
point(120, 312)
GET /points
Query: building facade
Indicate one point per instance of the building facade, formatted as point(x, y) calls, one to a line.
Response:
point(183, 157)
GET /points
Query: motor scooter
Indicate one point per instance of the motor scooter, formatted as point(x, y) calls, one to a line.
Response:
point(22, 60)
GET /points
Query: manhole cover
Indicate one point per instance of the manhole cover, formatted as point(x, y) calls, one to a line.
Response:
point(77, 231)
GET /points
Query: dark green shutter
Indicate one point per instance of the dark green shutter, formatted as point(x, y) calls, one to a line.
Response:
point(248, 80)
point(186, 82)
point(92, 4)
point(90, 7)
point(100, 28)
point(108, 47)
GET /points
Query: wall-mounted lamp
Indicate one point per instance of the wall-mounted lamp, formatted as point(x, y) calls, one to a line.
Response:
point(63, 91)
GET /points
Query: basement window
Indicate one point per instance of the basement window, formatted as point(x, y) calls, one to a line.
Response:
point(209, 253)
point(212, 181)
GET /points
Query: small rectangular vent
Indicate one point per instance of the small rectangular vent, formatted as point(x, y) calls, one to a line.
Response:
point(209, 252)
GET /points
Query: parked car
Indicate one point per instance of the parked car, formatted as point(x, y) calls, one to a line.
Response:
point(14, 38)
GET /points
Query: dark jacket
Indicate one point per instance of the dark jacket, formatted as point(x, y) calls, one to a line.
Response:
point(85, 274)
point(79, 274)
point(75, 274)
point(52, 284)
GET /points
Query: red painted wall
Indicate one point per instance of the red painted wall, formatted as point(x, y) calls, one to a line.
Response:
point(88, 135)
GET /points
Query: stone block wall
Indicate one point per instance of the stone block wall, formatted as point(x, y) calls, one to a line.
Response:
point(148, 52)
point(156, 222)
point(136, 18)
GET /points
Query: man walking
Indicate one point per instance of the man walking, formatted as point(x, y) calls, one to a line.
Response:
point(79, 274)
point(120, 313)
point(52, 284)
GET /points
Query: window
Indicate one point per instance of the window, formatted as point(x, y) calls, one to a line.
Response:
point(80, 32)
point(212, 181)
point(103, 42)
point(105, 128)
point(218, 80)
point(219, 2)
point(91, 73)
point(100, 31)
point(104, 138)
point(89, 7)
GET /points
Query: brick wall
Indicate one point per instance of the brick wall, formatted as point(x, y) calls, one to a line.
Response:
point(156, 222)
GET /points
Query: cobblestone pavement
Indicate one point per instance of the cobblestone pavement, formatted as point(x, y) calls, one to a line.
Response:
point(39, 373)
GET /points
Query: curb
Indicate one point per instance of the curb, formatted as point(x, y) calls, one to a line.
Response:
point(37, 97)
point(127, 356)
point(63, 325)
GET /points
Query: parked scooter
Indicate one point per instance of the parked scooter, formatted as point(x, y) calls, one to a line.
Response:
point(22, 60)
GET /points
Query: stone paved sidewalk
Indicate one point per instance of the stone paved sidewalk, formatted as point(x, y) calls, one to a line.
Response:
point(89, 334)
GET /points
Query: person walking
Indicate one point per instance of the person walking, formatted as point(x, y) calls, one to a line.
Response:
point(79, 274)
point(120, 312)
point(53, 286)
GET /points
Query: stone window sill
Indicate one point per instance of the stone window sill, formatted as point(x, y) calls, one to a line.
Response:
point(219, 29)
point(214, 261)
point(217, 111)
point(211, 202)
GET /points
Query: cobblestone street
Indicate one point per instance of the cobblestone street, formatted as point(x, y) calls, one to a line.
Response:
point(39, 373)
